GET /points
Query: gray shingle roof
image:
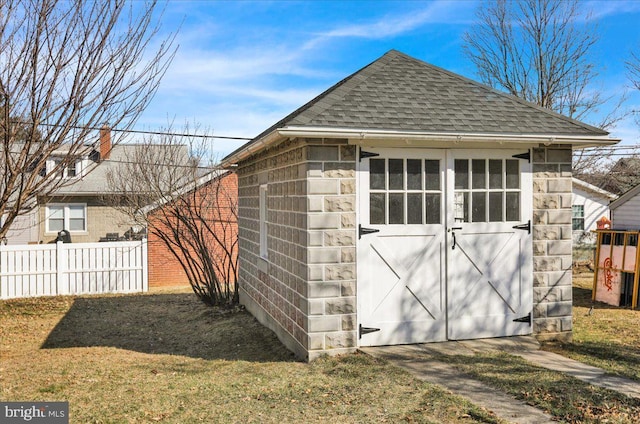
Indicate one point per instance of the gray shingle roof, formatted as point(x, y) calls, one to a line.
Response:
point(398, 92)
point(120, 159)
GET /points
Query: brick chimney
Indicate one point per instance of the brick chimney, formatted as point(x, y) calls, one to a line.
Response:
point(105, 142)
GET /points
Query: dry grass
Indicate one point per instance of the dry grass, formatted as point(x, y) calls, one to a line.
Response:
point(168, 358)
point(605, 336)
point(565, 398)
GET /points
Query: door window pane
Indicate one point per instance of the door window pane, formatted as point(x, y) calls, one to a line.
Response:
point(433, 208)
point(414, 208)
point(513, 206)
point(478, 176)
point(396, 208)
point(479, 207)
point(461, 168)
point(376, 174)
point(432, 174)
point(377, 205)
point(414, 174)
point(461, 210)
point(513, 173)
point(396, 174)
point(495, 173)
point(495, 206)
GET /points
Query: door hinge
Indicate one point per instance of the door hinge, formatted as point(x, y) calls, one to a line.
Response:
point(366, 330)
point(526, 318)
point(526, 156)
point(364, 231)
point(365, 155)
point(526, 226)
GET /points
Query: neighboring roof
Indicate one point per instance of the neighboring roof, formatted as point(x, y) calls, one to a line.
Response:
point(187, 188)
point(398, 95)
point(120, 157)
point(585, 186)
point(625, 197)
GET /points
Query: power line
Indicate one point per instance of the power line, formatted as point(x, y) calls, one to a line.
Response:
point(175, 134)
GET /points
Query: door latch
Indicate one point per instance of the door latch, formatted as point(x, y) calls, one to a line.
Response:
point(453, 233)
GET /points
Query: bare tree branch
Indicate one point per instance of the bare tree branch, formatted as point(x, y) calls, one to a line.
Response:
point(194, 214)
point(539, 50)
point(68, 67)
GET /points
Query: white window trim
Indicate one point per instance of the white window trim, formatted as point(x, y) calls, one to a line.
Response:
point(66, 214)
point(263, 207)
point(64, 173)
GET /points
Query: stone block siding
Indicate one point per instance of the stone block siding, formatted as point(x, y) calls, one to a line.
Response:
point(552, 243)
point(305, 290)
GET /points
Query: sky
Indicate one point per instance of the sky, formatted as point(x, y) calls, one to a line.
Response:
point(243, 65)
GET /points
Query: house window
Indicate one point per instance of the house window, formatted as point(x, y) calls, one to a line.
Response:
point(577, 221)
point(71, 217)
point(263, 221)
point(70, 170)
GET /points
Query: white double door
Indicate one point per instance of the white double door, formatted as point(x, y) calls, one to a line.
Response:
point(444, 249)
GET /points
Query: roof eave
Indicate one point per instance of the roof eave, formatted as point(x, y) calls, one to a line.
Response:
point(355, 134)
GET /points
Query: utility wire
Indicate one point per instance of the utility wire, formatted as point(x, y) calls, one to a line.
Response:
point(176, 134)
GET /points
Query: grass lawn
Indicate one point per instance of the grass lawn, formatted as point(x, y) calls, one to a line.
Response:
point(168, 358)
point(605, 336)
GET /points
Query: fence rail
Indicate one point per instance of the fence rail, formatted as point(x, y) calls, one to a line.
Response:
point(73, 268)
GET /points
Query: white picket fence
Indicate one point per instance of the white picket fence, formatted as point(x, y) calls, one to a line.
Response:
point(73, 268)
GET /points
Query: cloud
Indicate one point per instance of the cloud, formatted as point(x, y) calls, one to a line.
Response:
point(600, 9)
point(389, 25)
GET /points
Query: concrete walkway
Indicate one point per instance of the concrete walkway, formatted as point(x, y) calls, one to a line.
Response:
point(418, 359)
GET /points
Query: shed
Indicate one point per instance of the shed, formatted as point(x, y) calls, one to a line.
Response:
point(624, 210)
point(408, 204)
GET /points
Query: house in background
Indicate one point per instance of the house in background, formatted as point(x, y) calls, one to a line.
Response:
point(625, 211)
point(85, 206)
point(408, 204)
point(588, 204)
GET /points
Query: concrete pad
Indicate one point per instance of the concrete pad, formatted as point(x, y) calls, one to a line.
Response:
point(414, 359)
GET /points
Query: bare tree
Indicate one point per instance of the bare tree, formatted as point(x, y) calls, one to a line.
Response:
point(539, 50)
point(67, 68)
point(191, 210)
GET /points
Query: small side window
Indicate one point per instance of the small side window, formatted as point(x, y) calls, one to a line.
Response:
point(263, 221)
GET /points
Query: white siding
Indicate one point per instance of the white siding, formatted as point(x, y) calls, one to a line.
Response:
point(24, 229)
point(627, 215)
point(595, 207)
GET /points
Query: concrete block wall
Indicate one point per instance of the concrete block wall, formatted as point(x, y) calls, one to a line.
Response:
point(305, 289)
point(274, 289)
point(552, 243)
point(331, 198)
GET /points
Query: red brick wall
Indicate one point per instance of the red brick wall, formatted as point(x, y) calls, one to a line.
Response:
point(164, 268)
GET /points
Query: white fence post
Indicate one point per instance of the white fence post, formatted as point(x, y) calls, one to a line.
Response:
point(62, 286)
point(3, 273)
point(145, 264)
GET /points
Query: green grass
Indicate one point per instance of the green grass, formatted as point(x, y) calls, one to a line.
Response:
point(605, 336)
point(169, 358)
